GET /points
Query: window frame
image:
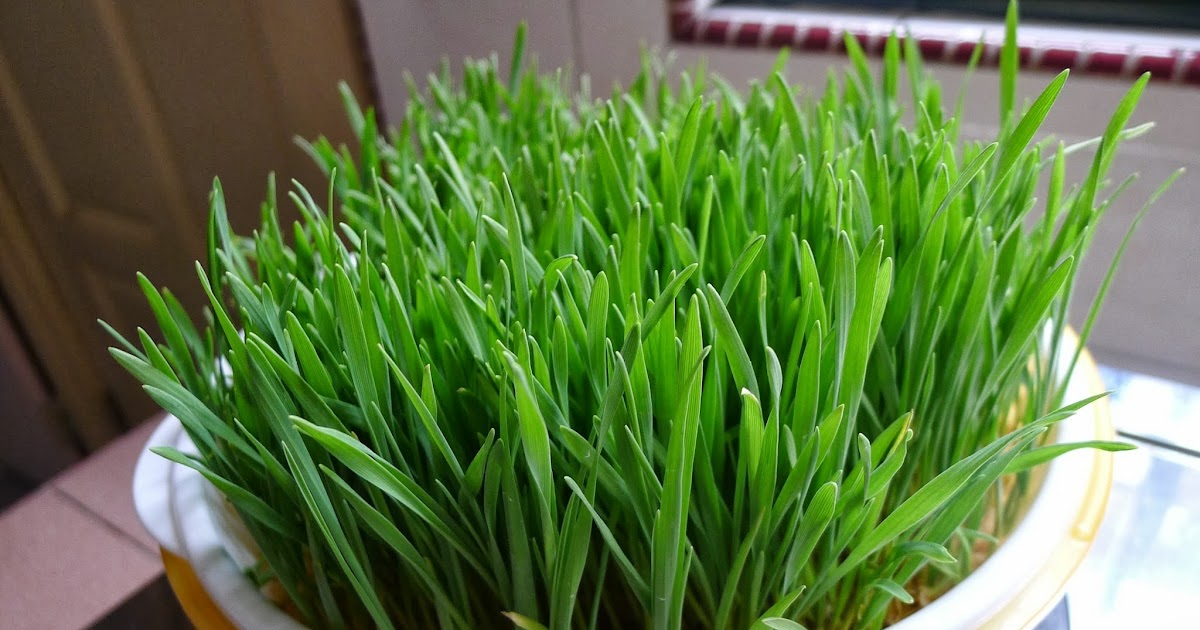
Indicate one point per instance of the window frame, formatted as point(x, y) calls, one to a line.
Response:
point(1100, 50)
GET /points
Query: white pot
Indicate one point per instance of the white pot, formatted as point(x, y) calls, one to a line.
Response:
point(1019, 584)
point(1014, 588)
point(177, 508)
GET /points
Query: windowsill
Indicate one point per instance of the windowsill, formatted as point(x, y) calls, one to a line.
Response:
point(1165, 55)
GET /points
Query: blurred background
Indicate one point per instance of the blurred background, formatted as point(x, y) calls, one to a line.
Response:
point(115, 116)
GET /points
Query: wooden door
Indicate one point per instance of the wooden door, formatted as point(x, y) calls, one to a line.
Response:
point(114, 118)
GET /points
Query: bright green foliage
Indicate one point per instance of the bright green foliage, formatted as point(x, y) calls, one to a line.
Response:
point(685, 357)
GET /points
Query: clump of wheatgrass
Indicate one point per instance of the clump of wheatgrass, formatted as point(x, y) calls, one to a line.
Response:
point(682, 357)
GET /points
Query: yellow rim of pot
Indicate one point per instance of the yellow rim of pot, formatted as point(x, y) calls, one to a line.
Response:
point(1029, 606)
point(196, 603)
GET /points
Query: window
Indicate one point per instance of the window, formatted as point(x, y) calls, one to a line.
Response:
point(1146, 13)
point(1074, 34)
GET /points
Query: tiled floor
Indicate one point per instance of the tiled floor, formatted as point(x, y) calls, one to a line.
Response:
point(104, 485)
point(64, 568)
point(74, 555)
point(72, 551)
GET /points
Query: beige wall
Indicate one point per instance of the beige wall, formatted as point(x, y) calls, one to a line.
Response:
point(1149, 323)
point(415, 35)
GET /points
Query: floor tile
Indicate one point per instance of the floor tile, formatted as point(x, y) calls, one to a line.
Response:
point(103, 483)
point(61, 568)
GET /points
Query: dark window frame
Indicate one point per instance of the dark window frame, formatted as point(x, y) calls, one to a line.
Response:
point(1094, 50)
point(1168, 14)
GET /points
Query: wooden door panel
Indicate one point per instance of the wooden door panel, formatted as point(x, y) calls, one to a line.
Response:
point(106, 219)
point(51, 330)
point(114, 119)
point(67, 73)
point(219, 92)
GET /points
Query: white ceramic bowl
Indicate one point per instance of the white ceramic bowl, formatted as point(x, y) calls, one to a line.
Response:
point(177, 509)
point(1019, 584)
